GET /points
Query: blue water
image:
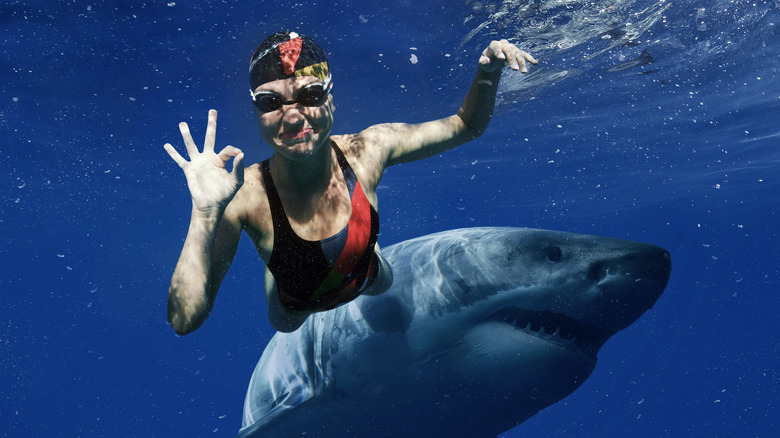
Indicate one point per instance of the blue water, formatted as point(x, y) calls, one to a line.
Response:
point(683, 152)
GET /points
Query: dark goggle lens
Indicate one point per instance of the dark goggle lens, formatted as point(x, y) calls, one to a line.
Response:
point(311, 95)
point(267, 102)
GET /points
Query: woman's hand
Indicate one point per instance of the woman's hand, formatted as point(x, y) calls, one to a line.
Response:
point(211, 186)
point(499, 54)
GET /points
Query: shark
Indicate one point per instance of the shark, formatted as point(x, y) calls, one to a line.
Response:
point(481, 329)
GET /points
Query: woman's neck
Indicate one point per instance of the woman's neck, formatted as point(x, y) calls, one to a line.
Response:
point(305, 177)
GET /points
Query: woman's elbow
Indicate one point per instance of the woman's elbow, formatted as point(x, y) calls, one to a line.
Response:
point(468, 130)
point(184, 322)
point(182, 328)
point(181, 325)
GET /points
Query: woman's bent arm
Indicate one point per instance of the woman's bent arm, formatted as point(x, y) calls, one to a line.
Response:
point(205, 259)
point(214, 229)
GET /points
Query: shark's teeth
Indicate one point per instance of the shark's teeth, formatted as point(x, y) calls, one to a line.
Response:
point(556, 328)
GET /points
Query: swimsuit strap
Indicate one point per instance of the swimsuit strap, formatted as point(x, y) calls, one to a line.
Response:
point(346, 170)
point(342, 160)
point(282, 227)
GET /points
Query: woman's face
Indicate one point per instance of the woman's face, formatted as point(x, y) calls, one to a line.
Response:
point(295, 131)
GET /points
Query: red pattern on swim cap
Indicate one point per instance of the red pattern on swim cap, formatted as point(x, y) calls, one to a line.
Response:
point(290, 51)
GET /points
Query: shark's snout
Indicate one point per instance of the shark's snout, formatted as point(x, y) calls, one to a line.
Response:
point(629, 284)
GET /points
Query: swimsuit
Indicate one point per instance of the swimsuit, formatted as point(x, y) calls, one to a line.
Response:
point(319, 275)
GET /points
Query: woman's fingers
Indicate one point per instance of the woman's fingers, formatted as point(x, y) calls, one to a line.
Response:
point(502, 53)
point(198, 160)
point(238, 168)
point(519, 58)
point(211, 132)
point(192, 148)
point(229, 152)
point(175, 155)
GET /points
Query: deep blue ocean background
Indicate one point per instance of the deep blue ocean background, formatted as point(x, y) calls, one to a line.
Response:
point(682, 152)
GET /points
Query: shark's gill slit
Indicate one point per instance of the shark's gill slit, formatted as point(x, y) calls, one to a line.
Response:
point(597, 271)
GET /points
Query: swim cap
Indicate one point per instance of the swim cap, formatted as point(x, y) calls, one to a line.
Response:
point(285, 55)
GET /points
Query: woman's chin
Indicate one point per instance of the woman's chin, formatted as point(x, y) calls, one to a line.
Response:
point(297, 151)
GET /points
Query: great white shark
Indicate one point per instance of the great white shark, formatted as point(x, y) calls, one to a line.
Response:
point(482, 329)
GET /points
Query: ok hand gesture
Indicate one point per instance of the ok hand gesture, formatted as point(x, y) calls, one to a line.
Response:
point(211, 185)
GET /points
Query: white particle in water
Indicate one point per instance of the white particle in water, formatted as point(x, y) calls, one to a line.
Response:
point(413, 59)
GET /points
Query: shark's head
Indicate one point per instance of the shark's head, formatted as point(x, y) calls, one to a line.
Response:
point(502, 312)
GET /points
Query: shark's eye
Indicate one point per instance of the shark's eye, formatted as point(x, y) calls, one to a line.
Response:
point(554, 254)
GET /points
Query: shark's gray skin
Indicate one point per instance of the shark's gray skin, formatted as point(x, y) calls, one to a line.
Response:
point(482, 328)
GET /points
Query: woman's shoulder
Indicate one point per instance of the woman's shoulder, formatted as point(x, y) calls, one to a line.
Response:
point(253, 178)
point(363, 156)
point(250, 198)
point(360, 148)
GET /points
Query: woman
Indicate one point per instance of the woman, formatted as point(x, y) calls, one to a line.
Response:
point(310, 209)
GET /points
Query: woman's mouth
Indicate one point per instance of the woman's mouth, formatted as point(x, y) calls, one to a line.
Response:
point(296, 135)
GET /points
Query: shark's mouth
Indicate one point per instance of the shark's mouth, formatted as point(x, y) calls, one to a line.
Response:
point(555, 328)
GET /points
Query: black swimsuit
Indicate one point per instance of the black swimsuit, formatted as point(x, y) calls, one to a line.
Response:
point(319, 275)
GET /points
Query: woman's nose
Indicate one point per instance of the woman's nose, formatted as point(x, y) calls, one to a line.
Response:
point(291, 114)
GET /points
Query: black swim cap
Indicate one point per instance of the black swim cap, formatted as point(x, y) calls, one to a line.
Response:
point(285, 55)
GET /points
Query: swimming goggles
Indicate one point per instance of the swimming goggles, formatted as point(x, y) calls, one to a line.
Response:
point(312, 95)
